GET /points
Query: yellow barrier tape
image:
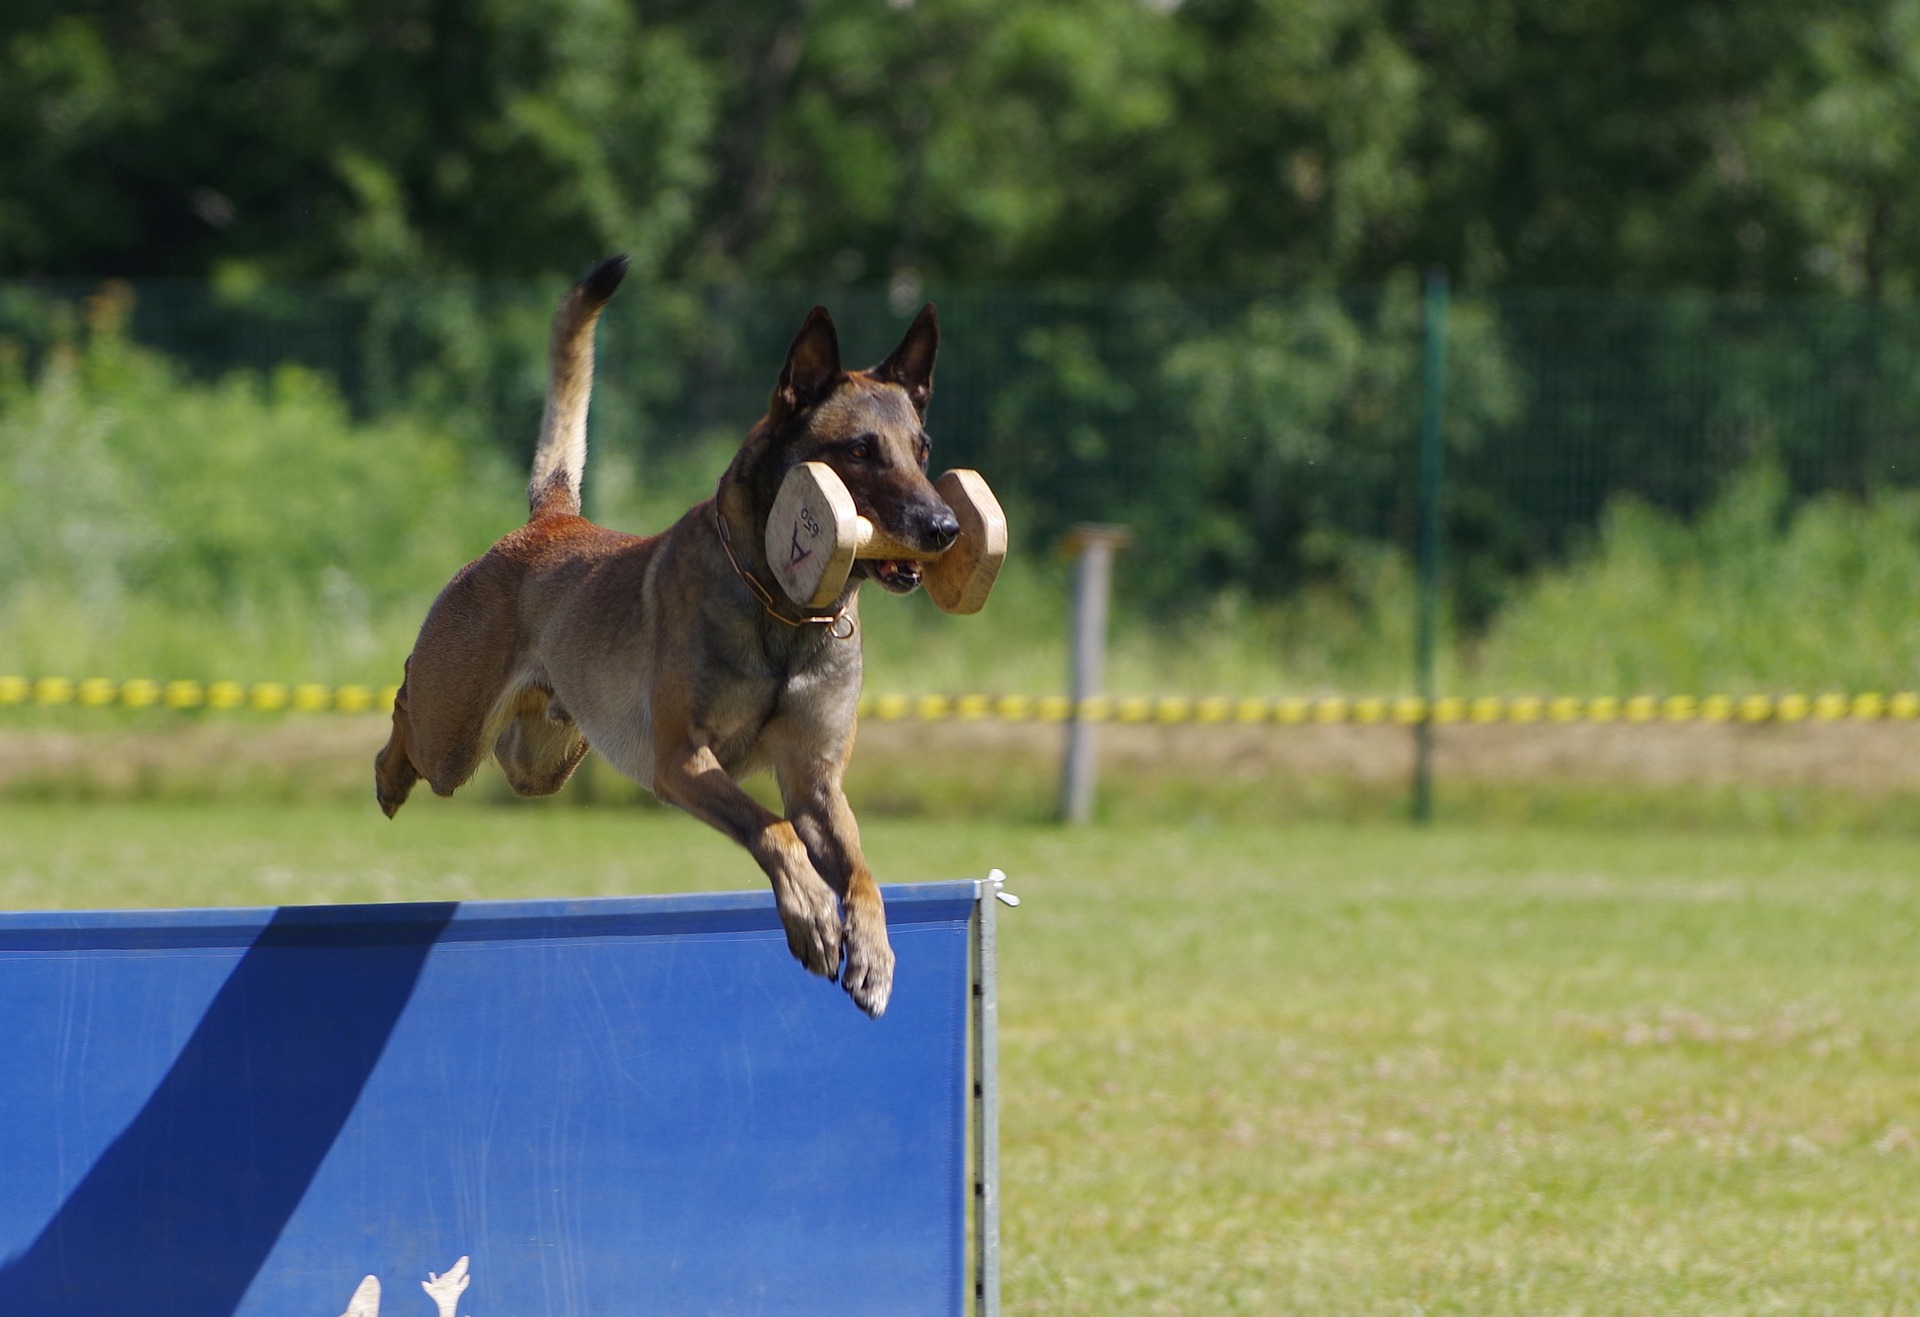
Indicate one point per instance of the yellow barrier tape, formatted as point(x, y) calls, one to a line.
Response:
point(1404, 710)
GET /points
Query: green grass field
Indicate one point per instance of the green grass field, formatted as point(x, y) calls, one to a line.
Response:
point(1316, 1068)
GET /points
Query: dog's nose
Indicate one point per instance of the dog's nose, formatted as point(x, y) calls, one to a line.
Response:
point(943, 528)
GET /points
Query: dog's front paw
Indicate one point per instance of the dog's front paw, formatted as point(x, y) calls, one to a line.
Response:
point(811, 915)
point(869, 974)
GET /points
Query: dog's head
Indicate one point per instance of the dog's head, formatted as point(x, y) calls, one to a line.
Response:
point(869, 426)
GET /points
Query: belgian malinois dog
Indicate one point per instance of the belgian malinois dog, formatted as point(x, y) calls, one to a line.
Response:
point(674, 655)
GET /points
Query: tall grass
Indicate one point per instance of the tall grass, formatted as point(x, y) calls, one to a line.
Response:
point(252, 528)
point(1757, 594)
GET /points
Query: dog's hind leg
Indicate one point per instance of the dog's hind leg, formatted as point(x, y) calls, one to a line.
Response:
point(460, 677)
point(540, 746)
point(442, 741)
point(393, 770)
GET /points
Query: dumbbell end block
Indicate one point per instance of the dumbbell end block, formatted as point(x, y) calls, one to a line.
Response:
point(813, 533)
point(960, 579)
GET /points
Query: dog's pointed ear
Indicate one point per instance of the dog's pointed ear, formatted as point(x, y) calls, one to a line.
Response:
point(813, 364)
point(911, 364)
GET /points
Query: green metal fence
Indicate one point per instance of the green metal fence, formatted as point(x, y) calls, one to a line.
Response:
point(1253, 440)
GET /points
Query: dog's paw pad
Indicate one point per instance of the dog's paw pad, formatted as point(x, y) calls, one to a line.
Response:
point(813, 936)
point(870, 993)
point(868, 978)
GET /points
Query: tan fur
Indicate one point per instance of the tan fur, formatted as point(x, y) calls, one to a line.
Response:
point(561, 455)
point(652, 650)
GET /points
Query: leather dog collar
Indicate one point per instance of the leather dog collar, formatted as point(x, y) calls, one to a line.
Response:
point(838, 624)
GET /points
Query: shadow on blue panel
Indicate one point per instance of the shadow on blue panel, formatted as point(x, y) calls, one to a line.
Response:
point(179, 1213)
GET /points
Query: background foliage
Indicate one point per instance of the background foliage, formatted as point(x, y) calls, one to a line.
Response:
point(251, 526)
point(1626, 144)
point(149, 522)
point(1176, 247)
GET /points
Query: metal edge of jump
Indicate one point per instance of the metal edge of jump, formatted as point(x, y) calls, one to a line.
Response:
point(401, 923)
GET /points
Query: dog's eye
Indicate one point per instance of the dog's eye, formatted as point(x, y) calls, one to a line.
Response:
point(861, 449)
point(926, 451)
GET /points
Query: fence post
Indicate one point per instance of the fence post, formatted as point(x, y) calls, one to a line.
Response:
point(1094, 547)
point(1432, 453)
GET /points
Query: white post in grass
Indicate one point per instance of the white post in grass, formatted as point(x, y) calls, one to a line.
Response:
point(1094, 547)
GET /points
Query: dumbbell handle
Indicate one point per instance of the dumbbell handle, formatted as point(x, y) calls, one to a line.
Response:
point(872, 542)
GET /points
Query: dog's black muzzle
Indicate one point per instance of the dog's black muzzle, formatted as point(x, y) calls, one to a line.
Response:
point(932, 528)
point(941, 530)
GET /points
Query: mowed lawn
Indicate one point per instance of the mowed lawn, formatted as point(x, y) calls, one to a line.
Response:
point(1309, 1069)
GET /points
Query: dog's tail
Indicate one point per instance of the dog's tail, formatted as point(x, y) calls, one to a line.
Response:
point(554, 489)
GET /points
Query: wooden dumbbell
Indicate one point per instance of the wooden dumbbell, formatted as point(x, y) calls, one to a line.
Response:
point(814, 533)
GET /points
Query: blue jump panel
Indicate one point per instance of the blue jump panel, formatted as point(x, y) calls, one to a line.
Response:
point(613, 1106)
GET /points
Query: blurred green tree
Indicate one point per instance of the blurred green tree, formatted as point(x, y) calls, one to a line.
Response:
point(1840, 148)
point(250, 139)
point(1605, 144)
